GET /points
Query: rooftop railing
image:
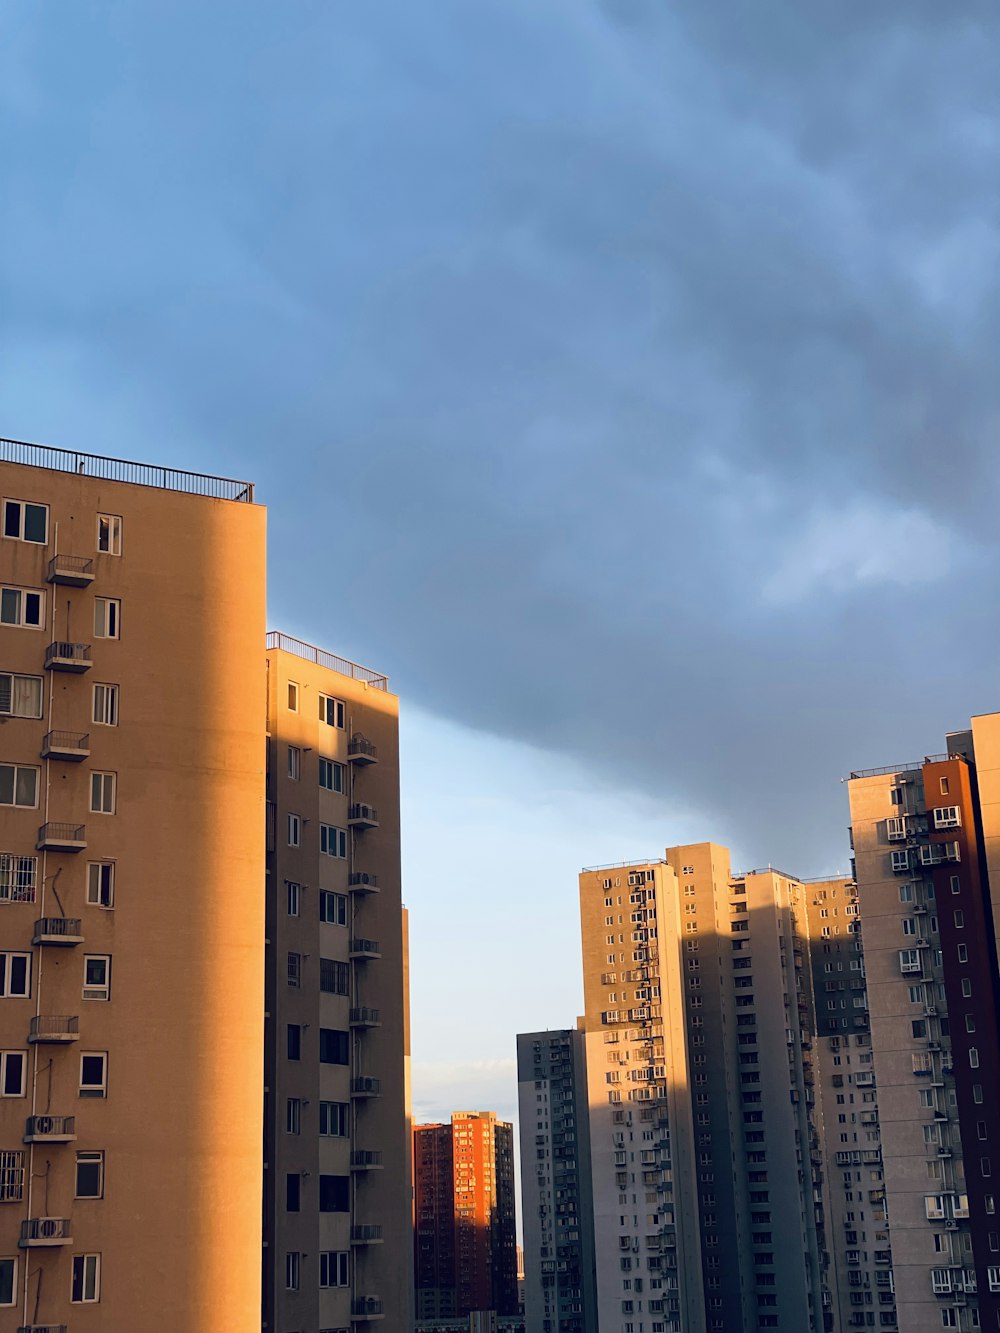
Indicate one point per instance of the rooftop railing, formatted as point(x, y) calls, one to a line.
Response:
point(121, 469)
point(288, 644)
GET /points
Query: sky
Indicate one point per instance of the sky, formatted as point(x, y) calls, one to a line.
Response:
point(620, 378)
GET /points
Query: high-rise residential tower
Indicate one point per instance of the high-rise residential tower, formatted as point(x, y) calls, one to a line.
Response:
point(465, 1245)
point(926, 839)
point(707, 1213)
point(131, 895)
point(556, 1210)
point(337, 1209)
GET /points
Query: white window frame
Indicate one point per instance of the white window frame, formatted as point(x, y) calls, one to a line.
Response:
point(103, 792)
point(90, 1279)
point(334, 1268)
point(18, 878)
point(94, 1091)
point(89, 1158)
point(15, 706)
point(107, 617)
point(332, 836)
point(101, 884)
point(294, 830)
point(293, 1115)
point(332, 711)
point(6, 1058)
point(338, 901)
point(97, 990)
point(105, 704)
point(294, 763)
point(22, 507)
point(21, 596)
point(7, 968)
point(947, 816)
point(900, 860)
point(337, 774)
point(15, 1293)
point(293, 1270)
point(109, 534)
point(293, 898)
point(16, 771)
point(334, 1113)
point(292, 696)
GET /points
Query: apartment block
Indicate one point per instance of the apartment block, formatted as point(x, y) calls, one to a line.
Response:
point(704, 1147)
point(925, 837)
point(556, 1201)
point(131, 895)
point(465, 1257)
point(337, 1202)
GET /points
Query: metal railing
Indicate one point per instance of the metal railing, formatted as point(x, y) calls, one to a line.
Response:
point(288, 644)
point(46, 1228)
point(361, 810)
point(41, 1328)
point(363, 1016)
point(49, 1126)
point(356, 877)
point(365, 948)
point(51, 832)
point(366, 1232)
point(61, 926)
point(364, 1307)
point(365, 1157)
point(359, 744)
point(76, 564)
point(74, 652)
point(121, 469)
point(625, 865)
point(65, 740)
point(886, 770)
point(49, 1025)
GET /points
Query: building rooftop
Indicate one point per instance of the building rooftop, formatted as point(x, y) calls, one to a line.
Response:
point(120, 469)
point(308, 651)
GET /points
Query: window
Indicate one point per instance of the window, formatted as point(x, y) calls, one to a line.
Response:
point(959, 920)
point(86, 1279)
point(20, 696)
point(294, 1041)
point(102, 793)
point(97, 976)
point(909, 925)
point(333, 1047)
point(293, 697)
point(93, 1074)
point(22, 607)
point(90, 1175)
point(101, 884)
point(107, 617)
point(334, 977)
point(334, 1121)
point(18, 877)
point(331, 775)
point(26, 522)
point(331, 711)
point(293, 1116)
point(294, 830)
point(973, 1057)
point(334, 1194)
point(947, 816)
point(956, 884)
point(15, 975)
point(963, 953)
point(334, 1266)
point(294, 897)
point(106, 705)
point(293, 1192)
point(19, 786)
point(294, 969)
point(8, 1281)
point(333, 908)
point(13, 1066)
point(293, 1270)
point(109, 534)
point(294, 763)
point(332, 841)
point(967, 987)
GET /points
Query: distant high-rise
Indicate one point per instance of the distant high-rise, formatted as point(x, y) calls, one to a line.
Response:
point(556, 1209)
point(465, 1257)
point(926, 839)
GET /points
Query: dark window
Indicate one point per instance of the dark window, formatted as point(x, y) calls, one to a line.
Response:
point(293, 1185)
point(294, 1042)
point(334, 977)
point(334, 1194)
point(89, 1175)
point(333, 1047)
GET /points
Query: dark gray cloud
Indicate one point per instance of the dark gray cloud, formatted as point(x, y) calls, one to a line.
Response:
point(620, 376)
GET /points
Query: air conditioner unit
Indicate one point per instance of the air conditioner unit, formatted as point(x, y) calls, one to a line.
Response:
point(931, 1011)
point(922, 944)
point(951, 1225)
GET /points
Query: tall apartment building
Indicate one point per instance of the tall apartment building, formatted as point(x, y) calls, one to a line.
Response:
point(465, 1257)
point(926, 839)
point(707, 1215)
point(131, 902)
point(556, 1204)
point(337, 1206)
point(859, 1292)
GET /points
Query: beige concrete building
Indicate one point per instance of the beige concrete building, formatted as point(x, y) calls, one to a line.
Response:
point(338, 1197)
point(704, 1148)
point(131, 904)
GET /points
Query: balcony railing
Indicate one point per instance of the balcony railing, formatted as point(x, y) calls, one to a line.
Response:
point(54, 1029)
point(360, 948)
point(42, 1231)
point(72, 570)
point(71, 746)
point(65, 656)
point(61, 931)
point(361, 751)
point(365, 1017)
point(366, 1159)
point(366, 1087)
point(362, 881)
point(50, 1129)
point(362, 816)
point(120, 469)
point(367, 1307)
point(41, 1328)
point(311, 653)
point(61, 838)
point(368, 1234)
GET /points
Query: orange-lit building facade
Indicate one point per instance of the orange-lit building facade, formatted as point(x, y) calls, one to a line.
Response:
point(465, 1255)
point(131, 896)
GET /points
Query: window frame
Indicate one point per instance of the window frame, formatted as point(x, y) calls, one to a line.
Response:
point(338, 840)
point(5, 1064)
point(339, 903)
point(112, 617)
point(100, 991)
point(93, 1091)
point(23, 594)
point(89, 1279)
point(338, 711)
point(23, 506)
point(16, 770)
point(91, 901)
point(106, 713)
point(115, 523)
point(85, 1158)
point(294, 830)
point(12, 1260)
point(7, 957)
point(14, 677)
point(105, 781)
point(337, 773)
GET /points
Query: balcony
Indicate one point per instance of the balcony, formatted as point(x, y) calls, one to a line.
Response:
point(366, 1087)
point(42, 1232)
point(61, 838)
point(71, 570)
point(69, 746)
point(363, 949)
point(362, 881)
point(363, 1017)
point(366, 1159)
point(61, 931)
point(364, 1308)
point(41, 1328)
point(366, 1235)
point(362, 816)
point(49, 1030)
point(50, 1129)
point(361, 751)
point(63, 656)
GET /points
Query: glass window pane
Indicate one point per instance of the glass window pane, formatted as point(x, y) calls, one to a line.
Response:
point(10, 606)
point(35, 523)
point(27, 787)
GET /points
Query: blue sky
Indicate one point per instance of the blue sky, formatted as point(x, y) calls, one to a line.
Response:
point(620, 378)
